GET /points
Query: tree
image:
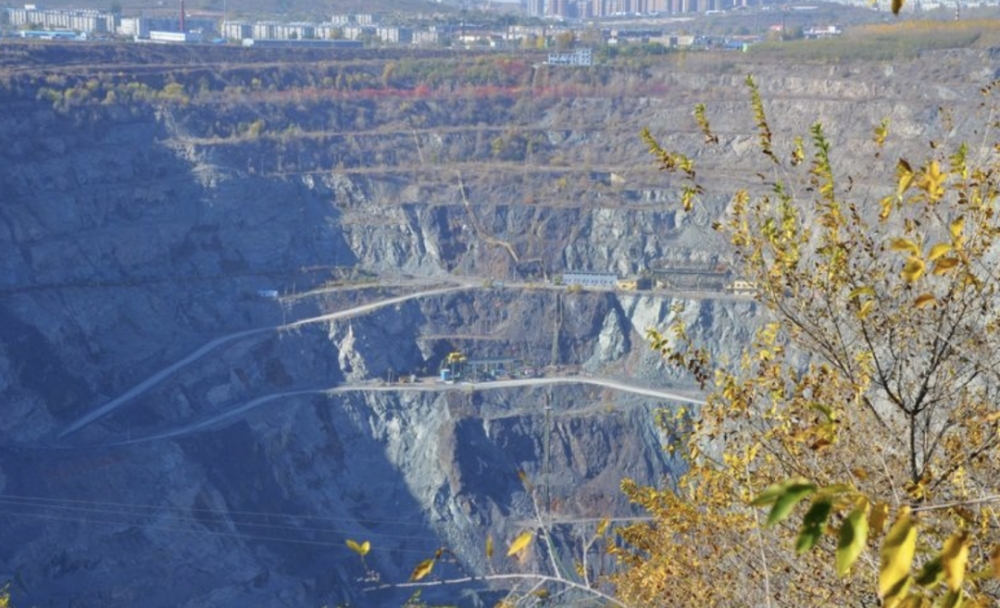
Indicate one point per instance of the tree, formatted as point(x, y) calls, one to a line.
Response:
point(565, 41)
point(872, 391)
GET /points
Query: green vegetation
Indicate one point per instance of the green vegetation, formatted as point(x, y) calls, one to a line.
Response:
point(63, 96)
point(887, 42)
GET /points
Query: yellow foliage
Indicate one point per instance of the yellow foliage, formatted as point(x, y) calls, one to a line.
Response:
point(361, 549)
point(897, 555)
point(954, 558)
point(423, 569)
point(520, 543)
point(872, 387)
point(913, 269)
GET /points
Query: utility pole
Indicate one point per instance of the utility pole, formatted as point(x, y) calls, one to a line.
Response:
point(556, 325)
point(547, 443)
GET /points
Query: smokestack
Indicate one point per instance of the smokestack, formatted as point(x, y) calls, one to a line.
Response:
point(182, 17)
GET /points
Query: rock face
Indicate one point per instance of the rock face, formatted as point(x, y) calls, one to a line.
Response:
point(142, 232)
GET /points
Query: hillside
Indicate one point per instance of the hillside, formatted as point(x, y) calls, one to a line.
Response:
point(219, 262)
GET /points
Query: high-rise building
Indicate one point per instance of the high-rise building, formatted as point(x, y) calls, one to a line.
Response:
point(558, 8)
point(536, 8)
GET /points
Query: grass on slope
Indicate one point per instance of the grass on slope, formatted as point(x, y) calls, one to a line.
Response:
point(901, 40)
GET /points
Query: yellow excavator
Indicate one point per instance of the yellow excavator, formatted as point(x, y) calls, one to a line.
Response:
point(452, 367)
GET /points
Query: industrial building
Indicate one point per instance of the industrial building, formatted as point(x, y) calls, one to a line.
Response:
point(694, 277)
point(156, 36)
point(607, 280)
point(284, 44)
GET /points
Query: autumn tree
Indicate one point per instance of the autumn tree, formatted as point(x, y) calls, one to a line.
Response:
point(850, 458)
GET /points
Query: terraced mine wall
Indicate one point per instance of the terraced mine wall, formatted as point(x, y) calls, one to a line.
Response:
point(159, 205)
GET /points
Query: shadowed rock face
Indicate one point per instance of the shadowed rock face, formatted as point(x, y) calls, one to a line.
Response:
point(132, 234)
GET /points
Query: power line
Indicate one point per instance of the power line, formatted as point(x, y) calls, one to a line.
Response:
point(42, 499)
point(183, 518)
point(85, 520)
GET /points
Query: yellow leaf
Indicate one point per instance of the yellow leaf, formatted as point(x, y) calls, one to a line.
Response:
point(925, 300)
point(913, 269)
point(879, 514)
point(524, 479)
point(489, 546)
point(944, 265)
point(861, 291)
point(954, 558)
point(898, 549)
point(361, 549)
point(603, 526)
point(956, 228)
point(939, 250)
point(887, 205)
point(932, 181)
point(520, 543)
point(904, 172)
point(423, 569)
point(995, 561)
point(904, 245)
point(865, 309)
point(897, 5)
point(687, 198)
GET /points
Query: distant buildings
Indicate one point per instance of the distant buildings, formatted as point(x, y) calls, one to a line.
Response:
point(430, 37)
point(590, 9)
point(134, 27)
point(237, 30)
point(535, 8)
point(824, 31)
point(86, 21)
point(92, 22)
point(367, 28)
point(579, 57)
point(341, 27)
point(394, 35)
